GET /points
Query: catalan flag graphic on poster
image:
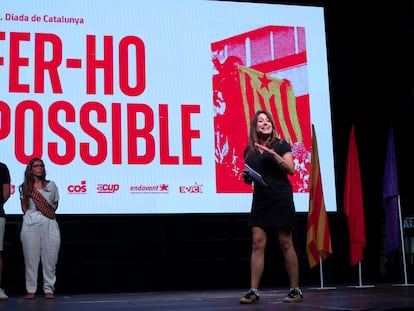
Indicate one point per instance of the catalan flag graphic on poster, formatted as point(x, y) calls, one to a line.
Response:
point(240, 90)
point(318, 240)
point(263, 92)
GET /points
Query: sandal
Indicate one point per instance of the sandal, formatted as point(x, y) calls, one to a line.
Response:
point(49, 296)
point(30, 296)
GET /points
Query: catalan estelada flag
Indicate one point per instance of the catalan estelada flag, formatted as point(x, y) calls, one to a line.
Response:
point(318, 240)
point(247, 91)
point(261, 91)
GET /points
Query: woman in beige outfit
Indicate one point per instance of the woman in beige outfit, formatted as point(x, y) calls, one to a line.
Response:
point(40, 235)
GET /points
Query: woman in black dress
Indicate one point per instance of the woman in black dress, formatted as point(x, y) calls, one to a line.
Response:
point(272, 204)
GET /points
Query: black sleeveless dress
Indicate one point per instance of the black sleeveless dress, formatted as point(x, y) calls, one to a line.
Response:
point(272, 205)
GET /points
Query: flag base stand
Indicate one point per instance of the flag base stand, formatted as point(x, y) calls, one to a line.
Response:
point(402, 246)
point(360, 279)
point(322, 288)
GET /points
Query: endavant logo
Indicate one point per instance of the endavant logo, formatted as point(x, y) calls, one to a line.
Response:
point(143, 189)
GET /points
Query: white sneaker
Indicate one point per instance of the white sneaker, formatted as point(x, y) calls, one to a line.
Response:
point(3, 295)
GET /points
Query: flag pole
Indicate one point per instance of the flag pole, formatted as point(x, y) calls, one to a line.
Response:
point(353, 207)
point(402, 242)
point(402, 246)
point(321, 270)
point(318, 239)
point(321, 275)
point(360, 278)
point(392, 207)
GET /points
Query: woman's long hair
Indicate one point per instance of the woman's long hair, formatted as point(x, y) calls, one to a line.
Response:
point(254, 137)
point(26, 187)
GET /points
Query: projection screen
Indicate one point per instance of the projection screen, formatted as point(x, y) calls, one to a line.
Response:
point(143, 107)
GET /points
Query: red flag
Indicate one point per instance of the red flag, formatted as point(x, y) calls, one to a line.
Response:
point(353, 203)
point(318, 240)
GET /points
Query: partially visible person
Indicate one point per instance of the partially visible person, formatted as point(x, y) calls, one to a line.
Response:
point(4, 196)
point(40, 234)
point(272, 209)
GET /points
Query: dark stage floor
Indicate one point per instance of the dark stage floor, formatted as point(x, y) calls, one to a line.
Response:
point(367, 297)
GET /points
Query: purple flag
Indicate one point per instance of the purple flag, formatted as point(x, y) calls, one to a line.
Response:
point(390, 201)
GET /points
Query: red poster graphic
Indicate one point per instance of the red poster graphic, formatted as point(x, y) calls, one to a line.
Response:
point(262, 69)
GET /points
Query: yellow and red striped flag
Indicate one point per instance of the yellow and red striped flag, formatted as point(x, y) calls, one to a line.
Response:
point(318, 240)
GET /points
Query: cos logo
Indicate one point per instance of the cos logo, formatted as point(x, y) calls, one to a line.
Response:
point(78, 188)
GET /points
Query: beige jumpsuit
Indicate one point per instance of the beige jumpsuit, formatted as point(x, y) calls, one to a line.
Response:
point(40, 237)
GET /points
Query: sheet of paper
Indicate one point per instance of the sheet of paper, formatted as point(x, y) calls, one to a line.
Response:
point(257, 178)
